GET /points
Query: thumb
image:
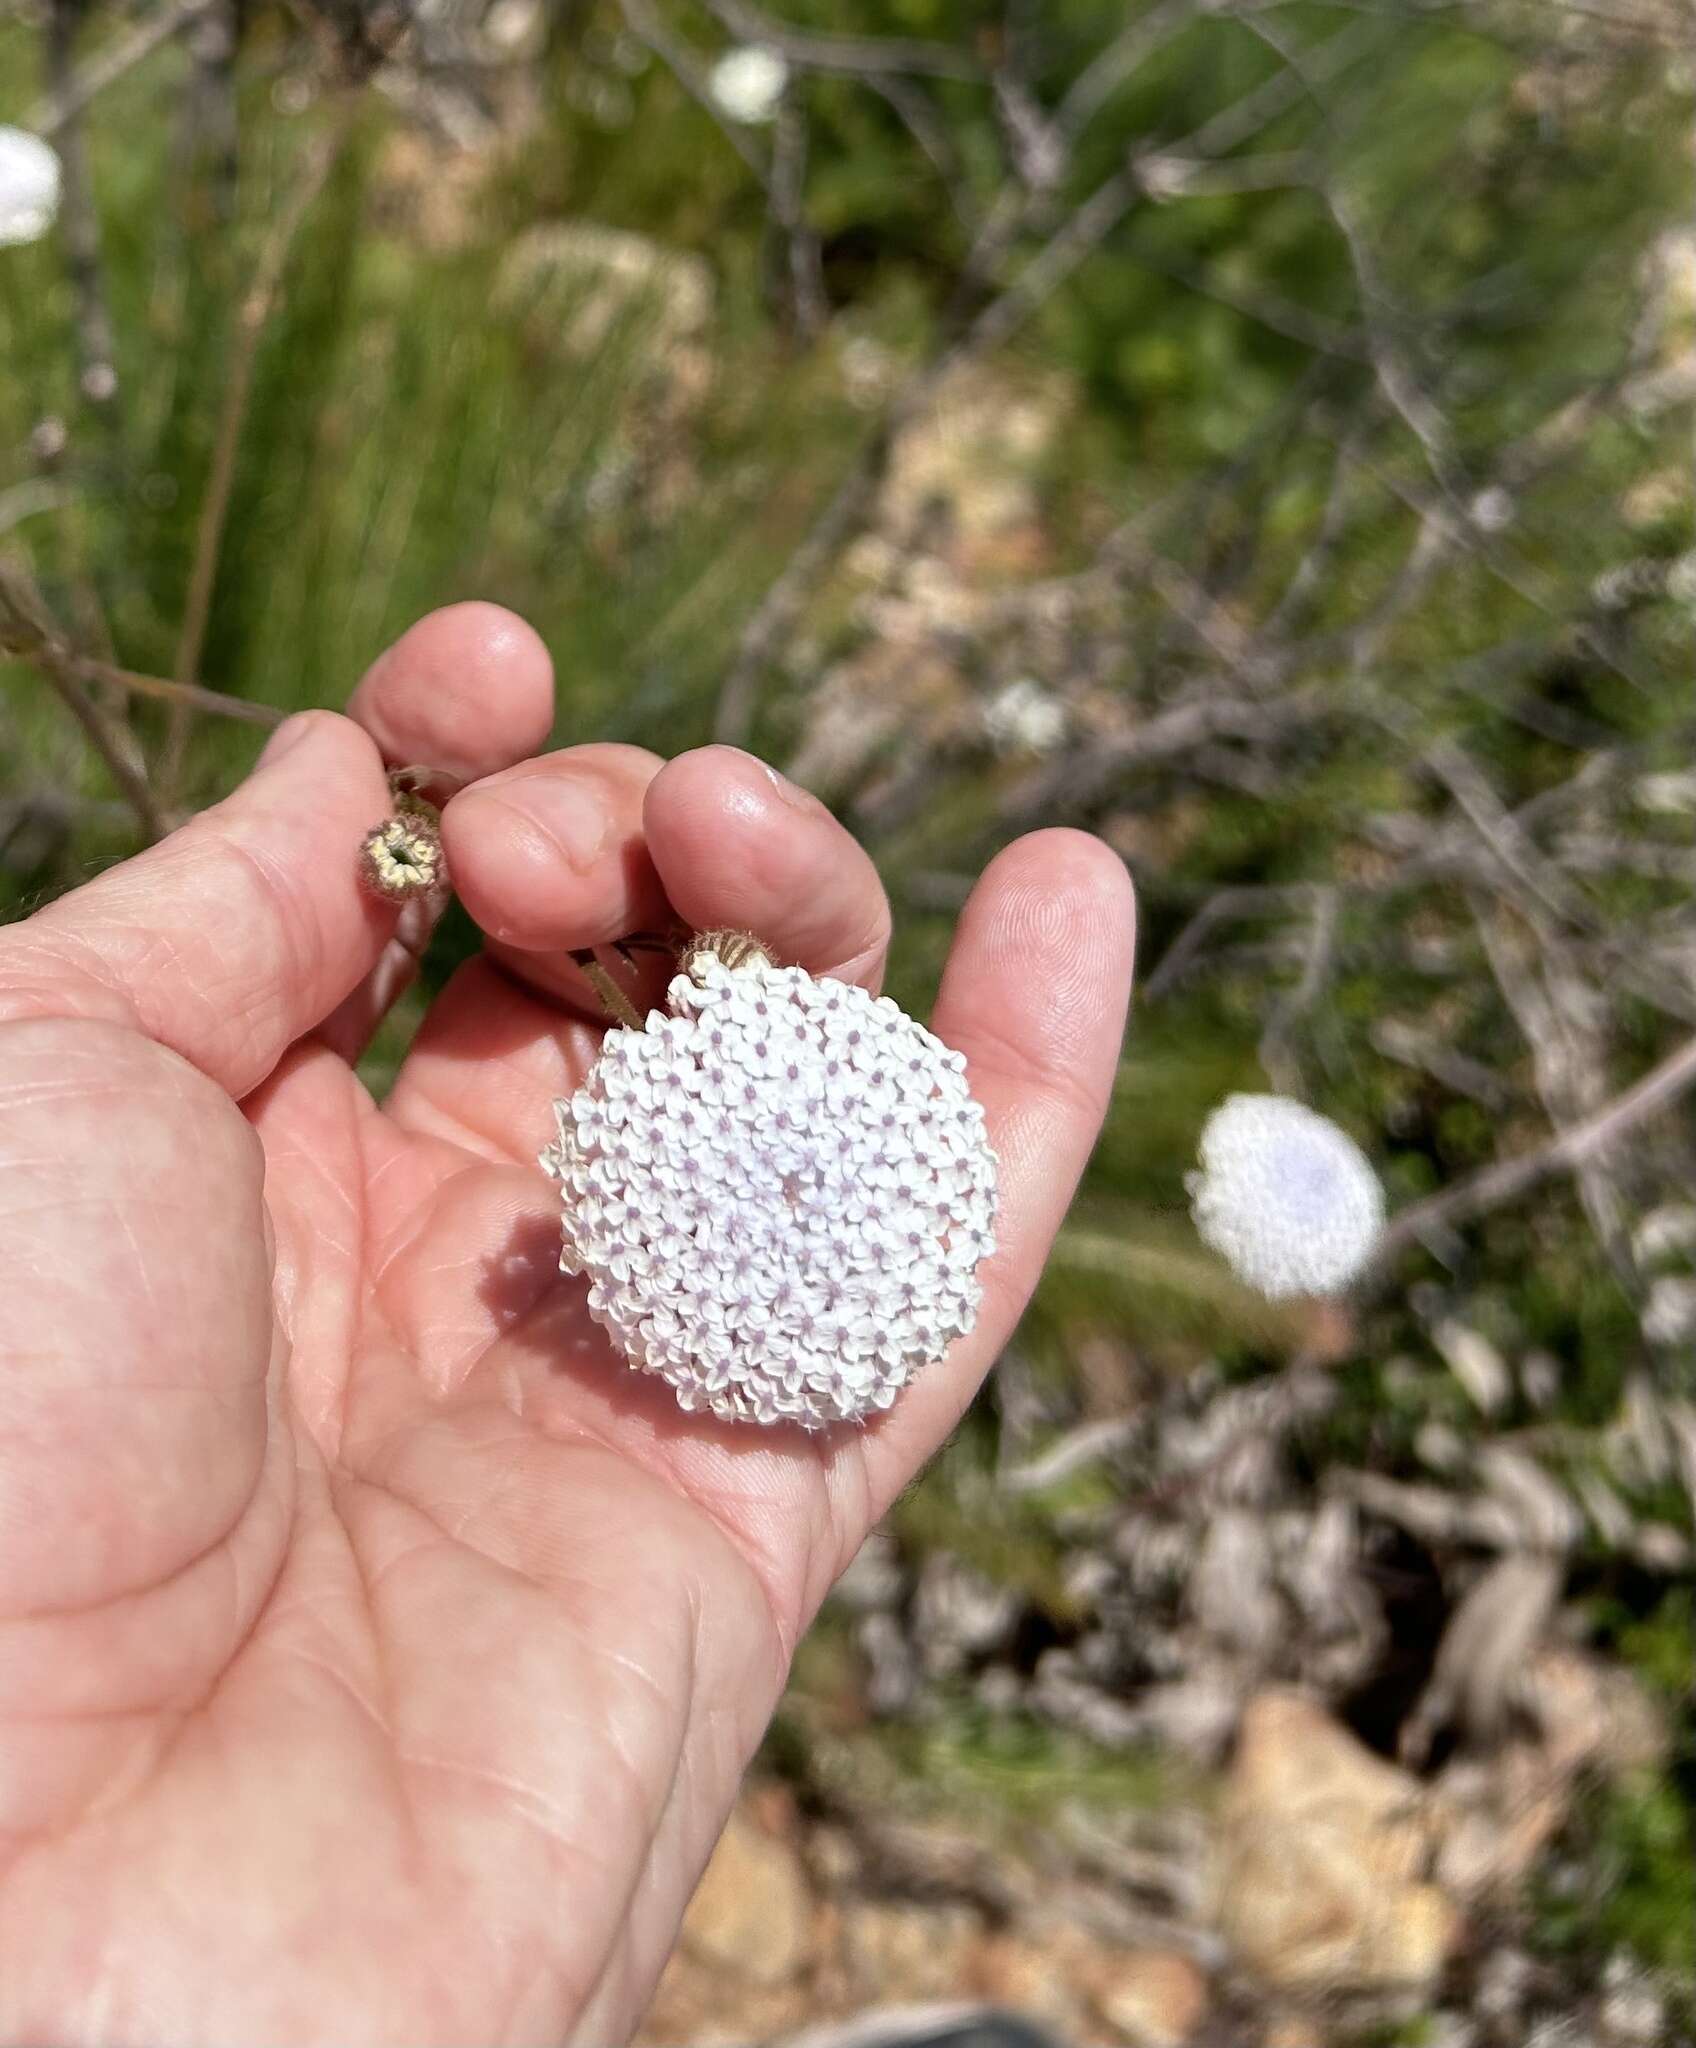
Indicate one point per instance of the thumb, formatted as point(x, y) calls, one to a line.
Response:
point(142, 1506)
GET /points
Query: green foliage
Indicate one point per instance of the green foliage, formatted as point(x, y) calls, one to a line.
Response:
point(1639, 1886)
point(1018, 1767)
point(435, 413)
point(1011, 1773)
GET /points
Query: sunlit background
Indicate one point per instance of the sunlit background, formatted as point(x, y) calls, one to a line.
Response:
point(1260, 433)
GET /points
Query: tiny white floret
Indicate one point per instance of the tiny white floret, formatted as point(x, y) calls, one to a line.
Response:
point(1023, 716)
point(748, 83)
point(1493, 509)
point(780, 1192)
point(1286, 1198)
point(29, 186)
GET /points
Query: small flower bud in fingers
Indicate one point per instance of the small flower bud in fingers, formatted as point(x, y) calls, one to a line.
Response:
point(402, 858)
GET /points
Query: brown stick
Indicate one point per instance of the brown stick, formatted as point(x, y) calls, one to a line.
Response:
point(974, 331)
point(27, 631)
point(96, 351)
point(109, 747)
point(1585, 1140)
point(47, 117)
point(618, 1006)
point(191, 697)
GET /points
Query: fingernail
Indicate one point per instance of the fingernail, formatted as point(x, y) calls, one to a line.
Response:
point(791, 793)
point(567, 812)
point(285, 739)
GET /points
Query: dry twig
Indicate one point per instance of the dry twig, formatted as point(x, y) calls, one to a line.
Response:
point(26, 630)
point(256, 310)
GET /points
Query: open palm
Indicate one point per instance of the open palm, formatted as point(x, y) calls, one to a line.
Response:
point(378, 1657)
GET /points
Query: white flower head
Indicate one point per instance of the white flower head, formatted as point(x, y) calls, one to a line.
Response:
point(1493, 509)
point(1286, 1198)
point(780, 1192)
point(747, 83)
point(1681, 579)
point(29, 186)
point(1023, 716)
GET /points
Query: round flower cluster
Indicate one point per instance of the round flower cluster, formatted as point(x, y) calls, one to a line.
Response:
point(1288, 1199)
point(29, 186)
point(402, 857)
point(747, 84)
point(780, 1193)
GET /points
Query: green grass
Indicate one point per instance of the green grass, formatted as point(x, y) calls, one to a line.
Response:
point(426, 423)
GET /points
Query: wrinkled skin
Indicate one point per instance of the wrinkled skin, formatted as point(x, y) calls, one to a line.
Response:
point(378, 1656)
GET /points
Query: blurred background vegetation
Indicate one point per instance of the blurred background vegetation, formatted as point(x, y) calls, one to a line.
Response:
point(1261, 433)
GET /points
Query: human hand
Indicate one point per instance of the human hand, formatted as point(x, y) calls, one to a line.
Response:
point(378, 1655)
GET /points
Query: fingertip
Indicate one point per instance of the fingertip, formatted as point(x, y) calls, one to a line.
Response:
point(550, 854)
point(738, 844)
point(720, 781)
point(469, 689)
point(507, 870)
point(316, 756)
point(1034, 994)
point(293, 732)
point(1062, 889)
point(1039, 979)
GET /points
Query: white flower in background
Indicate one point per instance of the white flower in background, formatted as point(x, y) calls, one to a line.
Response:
point(29, 186)
point(780, 1192)
point(1674, 791)
point(1023, 717)
point(1643, 579)
point(1664, 1232)
point(1669, 1312)
point(1493, 509)
point(747, 83)
point(1681, 579)
point(513, 24)
point(1285, 1197)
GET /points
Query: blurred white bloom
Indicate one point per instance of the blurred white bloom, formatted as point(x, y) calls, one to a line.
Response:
point(1670, 1228)
point(29, 186)
point(1023, 716)
point(747, 83)
point(780, 1192)
point(1286, 1198)
point(49, 439)
point(1681, 579)
point(1164, 177)
point(511, 24)
point(1674, 790)
point(1493, 509)
point(1669, 1313)
point(1629, 583)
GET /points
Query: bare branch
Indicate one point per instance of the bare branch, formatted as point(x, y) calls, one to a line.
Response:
point(26, 629)
point(256, 310)
point(857, 56)
point(96, 348)
point(1505, 1181)
point(68, 98)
